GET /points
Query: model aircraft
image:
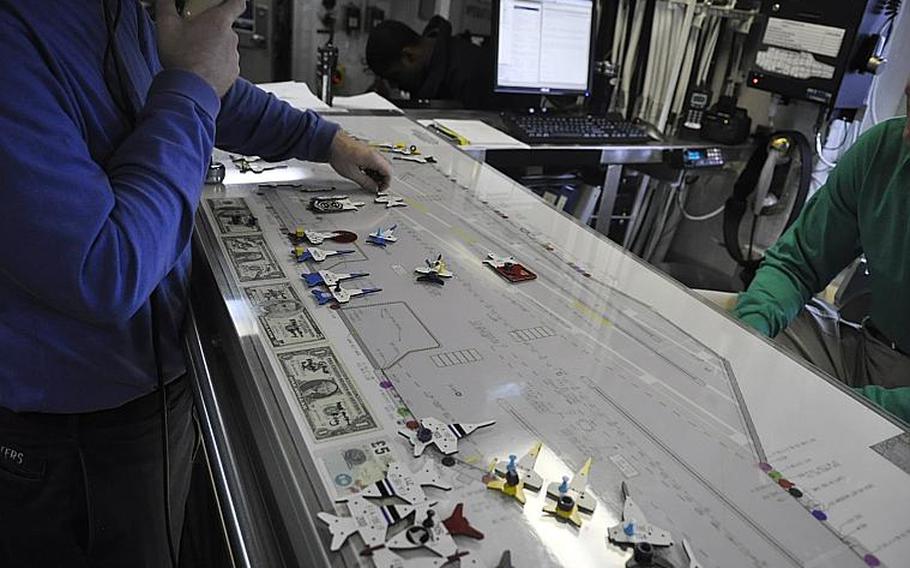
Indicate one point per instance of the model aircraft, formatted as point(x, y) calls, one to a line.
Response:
point(384, 558)
point(402, 483)
point(416, 159)
point(571, 497)
point(509, 268)
point(316, 254)
point(253, 164)
point(529, 477)
point(334, 204)
point(693, 562)
point(399, 148)
point(634, 527)
point(317, 237)
point(511, 477)
point(434, 271)
point(444, 436)
point(369, 520)
point(341, 295)
point(382, 237)
point(329, 278)
point(497, 261)
point(435, 536)
point(510, 483)
point(390, 200)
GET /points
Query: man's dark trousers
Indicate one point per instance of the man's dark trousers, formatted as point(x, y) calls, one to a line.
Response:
point(86, 490)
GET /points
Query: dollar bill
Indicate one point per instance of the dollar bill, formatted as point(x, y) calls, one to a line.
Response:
point(282, 315)
point(252, 259)
point(233, 215)
point(329, 399)
point(355, 466)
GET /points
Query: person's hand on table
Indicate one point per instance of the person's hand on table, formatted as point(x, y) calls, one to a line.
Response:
point(360, 163)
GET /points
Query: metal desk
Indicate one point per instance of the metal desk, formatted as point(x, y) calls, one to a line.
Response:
point(614, 158)
point(601, 356)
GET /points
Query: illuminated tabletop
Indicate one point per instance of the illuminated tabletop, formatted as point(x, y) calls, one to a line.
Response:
point(724, 441)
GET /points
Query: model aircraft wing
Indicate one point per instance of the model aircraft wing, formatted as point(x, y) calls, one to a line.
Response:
point(411, 435)
point(340, 527)
point(322, 297)
point(429, 475)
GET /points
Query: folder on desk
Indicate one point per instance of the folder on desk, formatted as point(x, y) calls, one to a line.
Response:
point(472, 134)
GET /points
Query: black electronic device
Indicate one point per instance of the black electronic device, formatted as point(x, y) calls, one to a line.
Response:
point(726, 123)
point(548, 128)
point(696, 104)
point(694, 158)
point(820, 50)
point(543, 47)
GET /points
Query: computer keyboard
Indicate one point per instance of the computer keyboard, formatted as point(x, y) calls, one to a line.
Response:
point(573, 129)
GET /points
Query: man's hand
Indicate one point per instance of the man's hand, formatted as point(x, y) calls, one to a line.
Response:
point(205, 45)
point(360, 163)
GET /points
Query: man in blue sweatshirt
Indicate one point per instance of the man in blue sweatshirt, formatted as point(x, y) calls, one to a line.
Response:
point(107, 127)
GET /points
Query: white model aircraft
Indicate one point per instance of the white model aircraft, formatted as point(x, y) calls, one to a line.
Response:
point(384, 558)
point(341, 295)
point(316, 254)
point(634, 527)
point(317, 238)
point(693, 562)
point(497, 261)
point(382, 237)
point(401, 482)
point(369, 520)
point(571, 497)
point(390, 200)
point(329, 278)
point(428, 532)
point(436, 432)
point(334, 204)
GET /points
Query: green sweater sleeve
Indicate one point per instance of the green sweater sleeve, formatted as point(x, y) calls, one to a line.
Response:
point(822, 241)
point(896, 400)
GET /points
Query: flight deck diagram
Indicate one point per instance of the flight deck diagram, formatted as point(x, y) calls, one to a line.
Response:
point(565, 360)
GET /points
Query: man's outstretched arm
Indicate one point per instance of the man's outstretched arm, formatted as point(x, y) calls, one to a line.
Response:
point(823, 240)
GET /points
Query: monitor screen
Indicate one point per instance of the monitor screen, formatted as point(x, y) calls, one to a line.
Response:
point(543, 46)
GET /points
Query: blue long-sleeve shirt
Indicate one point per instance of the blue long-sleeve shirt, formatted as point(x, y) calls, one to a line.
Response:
point(96, 214)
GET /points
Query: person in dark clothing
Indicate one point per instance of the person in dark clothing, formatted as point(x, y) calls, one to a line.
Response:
point(437, 65)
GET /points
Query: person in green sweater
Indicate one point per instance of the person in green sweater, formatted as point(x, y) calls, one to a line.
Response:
point(864, 208)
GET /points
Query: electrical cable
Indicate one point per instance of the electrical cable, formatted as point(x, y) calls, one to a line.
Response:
point(819, 151)
point(124, 103)
point(681, 196)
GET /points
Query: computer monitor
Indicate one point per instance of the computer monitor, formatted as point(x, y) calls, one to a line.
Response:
point(543, 46)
